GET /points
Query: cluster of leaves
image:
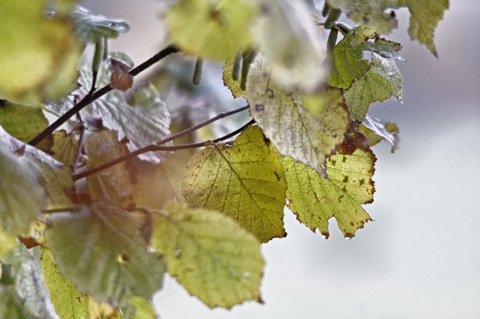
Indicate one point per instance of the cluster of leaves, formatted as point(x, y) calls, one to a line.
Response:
point(94, 212)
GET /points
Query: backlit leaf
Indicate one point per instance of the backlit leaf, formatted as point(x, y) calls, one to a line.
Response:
point(91, 27)
point(285, 32)
point(68, 302)
point(114, 184)
point(100, 249)
point(210, 255)
point(382, 81)
point(305, 127)
point(211, 29)
point(40, 53)
point(244, 181)
point(315, 199)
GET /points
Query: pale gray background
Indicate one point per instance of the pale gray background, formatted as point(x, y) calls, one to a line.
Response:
point(421, 256)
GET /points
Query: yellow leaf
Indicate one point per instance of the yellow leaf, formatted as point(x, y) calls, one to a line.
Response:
point(245, 182)
point(39, 54)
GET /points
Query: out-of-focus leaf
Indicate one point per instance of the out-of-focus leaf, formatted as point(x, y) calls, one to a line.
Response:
point(100, 249)
point(7, 242)
point(21, 197)
point(39, 53)
point(138, 308)
point(382, 81)
point(315, 199)
point(376, 130)
point(11, 305)
point(425, 15)
point(307, 127)
point(244, 181)
point(144, 122)
point(91, 27)
point(29, 281)
point(210, 255)
point(68, 302)
point(285, 32)
point(229, 81)
point(211, 29)
point(114, 184)
point(22, 121)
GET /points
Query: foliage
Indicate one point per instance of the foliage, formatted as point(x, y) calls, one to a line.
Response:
point(97, 206)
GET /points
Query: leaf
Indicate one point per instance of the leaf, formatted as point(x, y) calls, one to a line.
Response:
point(139, 308)
point(244, 181)
point(209, 254)
point(65, 147)
point(425, 15)
point(284, 31)
point(68, 302)
point(382, 81)
point(211, 29)
point(120, 79)
point(41, 56)
point(11, 305)
point(114, 184)
point(376, 130)
point(92, 28)
point(21, 197)
point(307, 127)
point(100, 249)
point(24, 122)
point(7, 242)
point(315, 199)
point(229, 81)
point(145, 122)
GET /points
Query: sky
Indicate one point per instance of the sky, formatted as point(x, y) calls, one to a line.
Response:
point(420, 257)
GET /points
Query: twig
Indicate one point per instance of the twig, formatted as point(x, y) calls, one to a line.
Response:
point(157, 147)
point(89, 98)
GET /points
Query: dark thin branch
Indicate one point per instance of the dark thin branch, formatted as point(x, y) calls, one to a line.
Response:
point(89, 98)
point(155, 148)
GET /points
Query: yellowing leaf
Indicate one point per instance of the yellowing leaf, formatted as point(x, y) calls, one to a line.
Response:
point(114, 184)
point(209, 254)
point(244, 181)
point(285, 32)
point(307, 128)
point(40, 53)
point(211, 29)
point(100, 249)
point(68, 302)
point(228, 77)
point(425, 15)
point(65, 147)
point(315, 199)
point(382, 81)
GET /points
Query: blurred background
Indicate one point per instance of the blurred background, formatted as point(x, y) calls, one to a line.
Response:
point(420, 258)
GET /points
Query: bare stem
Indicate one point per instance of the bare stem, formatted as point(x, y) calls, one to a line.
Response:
point(89, 98)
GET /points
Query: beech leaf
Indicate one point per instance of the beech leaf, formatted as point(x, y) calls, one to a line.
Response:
point(210, 255)
point(244, 181)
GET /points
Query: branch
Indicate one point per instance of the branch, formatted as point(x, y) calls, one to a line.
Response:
point(89, 98)
point(157, 146)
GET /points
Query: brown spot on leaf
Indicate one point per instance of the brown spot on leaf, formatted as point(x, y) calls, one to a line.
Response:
point(345, 179)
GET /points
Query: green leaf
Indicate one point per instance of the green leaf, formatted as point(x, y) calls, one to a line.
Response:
point(307, 127)
point(22, 121)
point(68, 302)
point(21, 197)
point(100, 249)
point(285, 32)
point(315, 199)
point(144, 122)
point(382, 81)
point(92, 27)
point(244, 181)
point(138, 308)
point(11, 305)
point(7, 242)
point(209, 254)
point(114, 184)
point(40, 53)
point(229, 81)
point(425, 15)
point(348, 63)
point(211, 29)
